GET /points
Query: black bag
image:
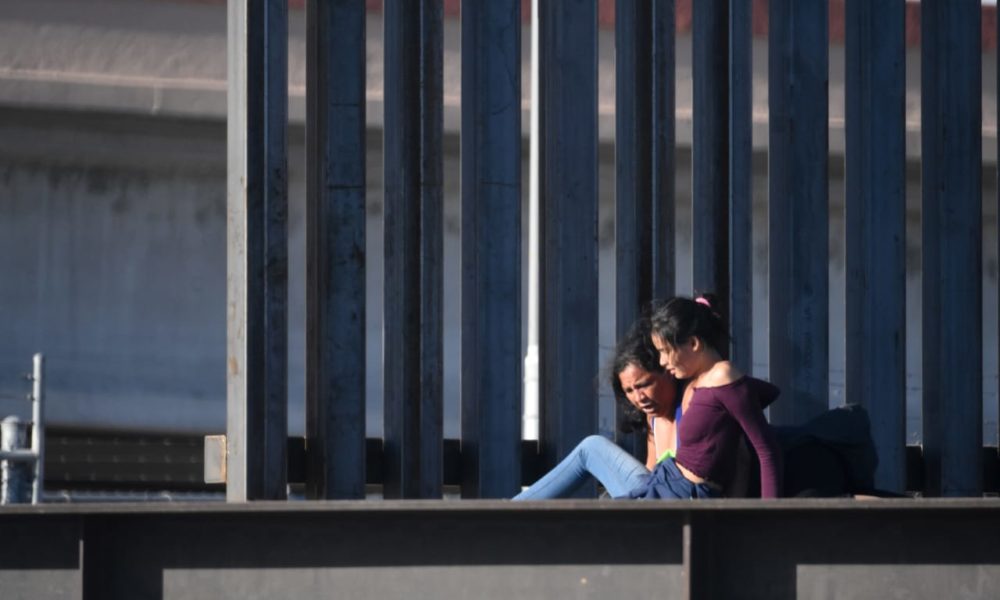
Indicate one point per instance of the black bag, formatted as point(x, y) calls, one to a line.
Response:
point(831, 455)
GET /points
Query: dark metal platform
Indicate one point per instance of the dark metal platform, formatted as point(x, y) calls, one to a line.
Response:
point(781, 549)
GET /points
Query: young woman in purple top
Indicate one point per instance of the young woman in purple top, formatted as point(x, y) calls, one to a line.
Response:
point(720, 405)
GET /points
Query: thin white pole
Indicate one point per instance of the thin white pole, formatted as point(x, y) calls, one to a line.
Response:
point(530, 426)
point(38, 427)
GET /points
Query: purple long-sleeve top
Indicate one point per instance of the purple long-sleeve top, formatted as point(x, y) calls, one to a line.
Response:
point(710, 430)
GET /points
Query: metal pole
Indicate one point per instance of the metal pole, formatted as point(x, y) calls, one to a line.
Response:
point(530, 426)
point(568, 225)
point(491, 249)
point(633, 179)
point(741, 183)
point(335, 249)
point(662, 126)
point(710, 150)
point(951, 196)
point(875, 213)
point(798, 208)
point(38, 426)
point(257, 257)
point(412, 348)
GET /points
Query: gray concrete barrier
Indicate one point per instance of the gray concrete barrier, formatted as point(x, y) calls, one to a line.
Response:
point(558, 549)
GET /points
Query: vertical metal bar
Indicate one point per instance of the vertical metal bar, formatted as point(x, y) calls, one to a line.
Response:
point(798, 208)
point(257, 271)
point(530, 417)
point(951, 121)
point(335, 248)
point(491, 248)
point(662, 118)
point(876, 227)
point(710, 150)
point(633, 177)
point(413, 248)
point(633, 150)
point(741, 183)
point(38, 426)
point(569, 224)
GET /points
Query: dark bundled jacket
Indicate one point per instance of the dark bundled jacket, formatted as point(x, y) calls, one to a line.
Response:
point(830, 455)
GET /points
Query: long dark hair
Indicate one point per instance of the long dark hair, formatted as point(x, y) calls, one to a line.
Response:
point(633, 349)
point(679, 319)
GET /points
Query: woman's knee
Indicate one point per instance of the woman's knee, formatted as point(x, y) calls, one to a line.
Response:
point(593, 443)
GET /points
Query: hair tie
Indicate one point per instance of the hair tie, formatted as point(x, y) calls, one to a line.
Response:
point(701, 300)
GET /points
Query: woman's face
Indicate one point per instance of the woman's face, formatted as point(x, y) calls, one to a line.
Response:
point(681, 360)
point(652, 393)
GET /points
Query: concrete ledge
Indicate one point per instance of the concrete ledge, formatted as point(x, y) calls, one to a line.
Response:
point(557, 549)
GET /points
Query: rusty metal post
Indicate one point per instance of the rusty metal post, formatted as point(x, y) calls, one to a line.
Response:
point(335, 248)
point(798, 211)
point(491, 248)
point(951, 147)
point(740, 299)
point(257, 270)
point(413, 248)
point(710, 151)
point(875, 211)
point(568, 357)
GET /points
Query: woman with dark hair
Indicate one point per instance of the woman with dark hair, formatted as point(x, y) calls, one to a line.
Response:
point(651, 396)
point(635, 369)
point(720, 405)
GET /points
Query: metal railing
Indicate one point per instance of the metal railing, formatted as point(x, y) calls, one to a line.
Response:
point(13, 454)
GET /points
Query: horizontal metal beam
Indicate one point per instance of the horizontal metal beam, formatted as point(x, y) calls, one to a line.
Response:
point(129, 461)
point(18, 455)
point(559, 549)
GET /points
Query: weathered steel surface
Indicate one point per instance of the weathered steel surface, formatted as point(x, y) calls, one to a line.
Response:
point(568, 353)
point(413, 248)
point(741, 183)
point(662, 159)
point(491, 248)
point(710, 151)
point(257, 271)
point(928, 551)
point(634, 229)
point(335, 248)
point(951, 122)
point(798, 208)
point(644, 167)
point(562, 549)
point(633, 161)
point(875, 208)
point(41, 557)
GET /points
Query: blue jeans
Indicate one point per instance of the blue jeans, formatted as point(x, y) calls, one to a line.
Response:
point(666, 482)
point(596, 456)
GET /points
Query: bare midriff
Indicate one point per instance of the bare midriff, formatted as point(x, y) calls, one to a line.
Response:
point(689, 475)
